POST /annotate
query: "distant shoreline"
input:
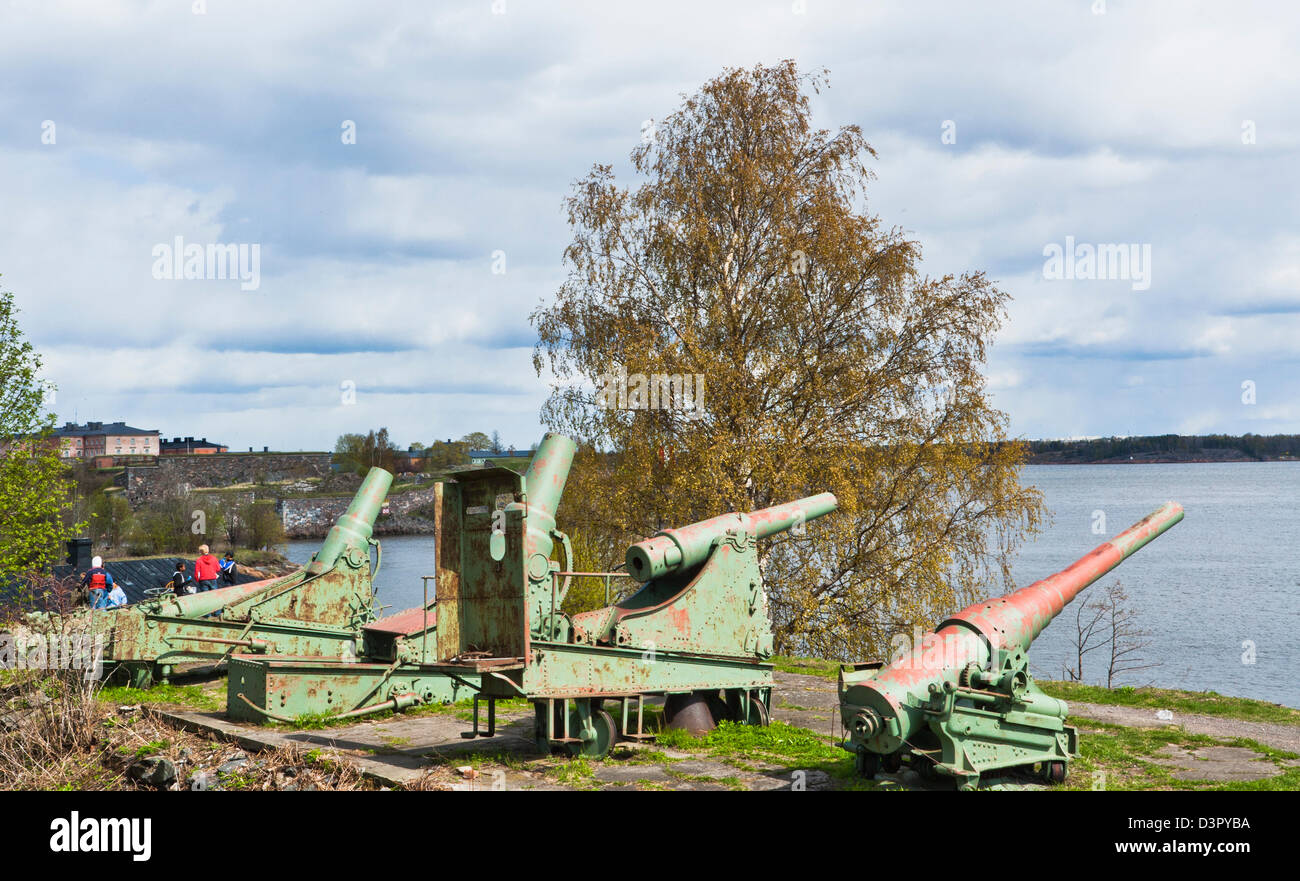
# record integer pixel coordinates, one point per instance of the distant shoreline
(1165, 449)
(1150, 460)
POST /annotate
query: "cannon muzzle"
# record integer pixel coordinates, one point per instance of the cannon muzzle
(689, 546)
(353, 530)
(547, 473)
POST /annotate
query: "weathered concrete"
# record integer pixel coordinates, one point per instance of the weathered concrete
(1221, 764)
(394, 751)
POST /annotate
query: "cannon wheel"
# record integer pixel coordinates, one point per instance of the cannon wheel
(1054, 772)
(893, 763)
(606, 732)
(606, 737)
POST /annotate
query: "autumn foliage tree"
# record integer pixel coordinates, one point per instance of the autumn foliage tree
(36, 488)
(823, 359)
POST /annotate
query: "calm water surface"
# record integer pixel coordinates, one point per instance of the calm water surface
(1228, 575)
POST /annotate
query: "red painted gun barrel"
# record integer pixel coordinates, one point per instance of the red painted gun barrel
(1015, 620)
(888, 699)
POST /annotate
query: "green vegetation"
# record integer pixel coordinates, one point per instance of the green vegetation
(309, 722)
(1207, 703)
(1127, 759)
(807, 666)
(192, 696)
(153, 747)
(779, 747)
(37, 506)
(577, 773)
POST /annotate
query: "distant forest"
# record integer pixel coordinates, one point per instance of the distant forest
(1166, 448)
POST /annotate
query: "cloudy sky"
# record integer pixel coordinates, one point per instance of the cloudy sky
(1002, 128)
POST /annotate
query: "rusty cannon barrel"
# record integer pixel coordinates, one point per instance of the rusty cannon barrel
(543, 486)
(350, 536)
(689, 546)
(962, 702)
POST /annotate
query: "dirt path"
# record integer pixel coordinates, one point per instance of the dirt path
(1278, 736)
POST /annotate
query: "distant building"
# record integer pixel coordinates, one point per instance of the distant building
(481, 457)
(410, 460)
(95, 439)
(188, 446)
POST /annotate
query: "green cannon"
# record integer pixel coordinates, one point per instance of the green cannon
(962, 703)
(493, 590)
(318, 610)
(697, 632)
(703, 595)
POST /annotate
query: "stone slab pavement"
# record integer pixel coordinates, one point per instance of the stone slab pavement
(428, 749)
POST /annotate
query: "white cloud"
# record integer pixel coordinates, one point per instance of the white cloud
(377, 256)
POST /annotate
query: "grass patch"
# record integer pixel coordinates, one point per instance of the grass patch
(193, 696)
(750, 747)
(309, 722)
(151, 748)
(576, 772)
(1207, 703)
(807, 666)
(1127, 758)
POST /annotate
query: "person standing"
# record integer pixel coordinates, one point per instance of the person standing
(228, 568)
(206, 568)
(180, 583)
(98, 582)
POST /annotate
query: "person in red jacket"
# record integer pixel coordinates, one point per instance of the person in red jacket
(206, 568)
(98, 582)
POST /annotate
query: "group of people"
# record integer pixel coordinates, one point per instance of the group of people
(209, 573)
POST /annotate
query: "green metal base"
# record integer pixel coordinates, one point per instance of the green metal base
(566, 670)
(983, 724)
(288, 688)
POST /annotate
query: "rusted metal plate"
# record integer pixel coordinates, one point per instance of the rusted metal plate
(406, 623)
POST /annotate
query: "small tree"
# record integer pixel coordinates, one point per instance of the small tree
(1126, 639)
(1087, 634)
(442, 455)
(361, 452)
(36, 491)
(263, 527)
(1108, 622)
(232, 525)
